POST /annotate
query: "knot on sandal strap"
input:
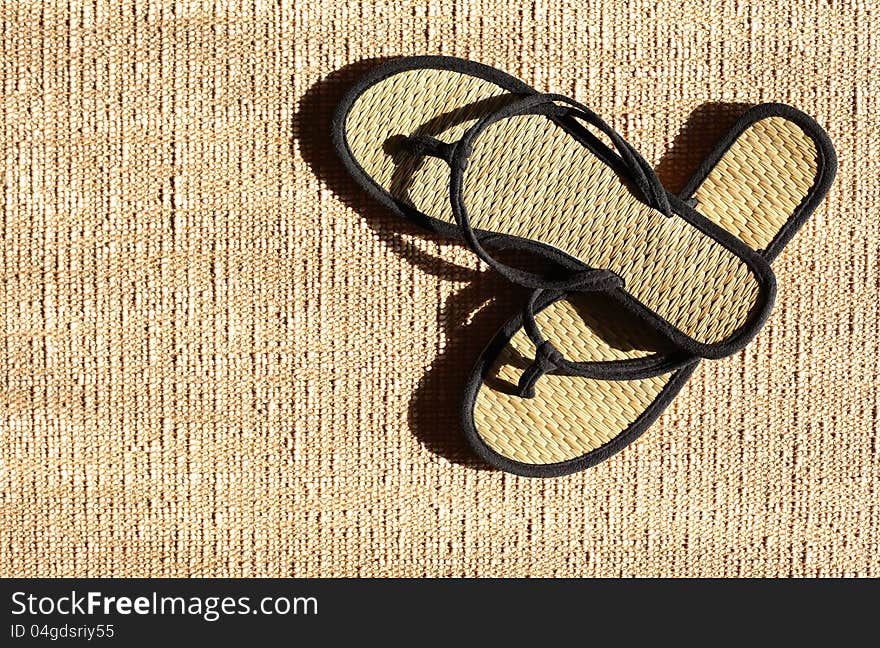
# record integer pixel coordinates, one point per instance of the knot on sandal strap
(423, 145)
(547, 358)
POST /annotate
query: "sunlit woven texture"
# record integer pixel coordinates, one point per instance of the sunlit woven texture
(218, 358)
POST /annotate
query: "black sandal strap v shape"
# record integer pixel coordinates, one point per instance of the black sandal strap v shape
(549, 359)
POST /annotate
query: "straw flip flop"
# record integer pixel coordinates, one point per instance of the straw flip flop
(469, 151)
(761, 183)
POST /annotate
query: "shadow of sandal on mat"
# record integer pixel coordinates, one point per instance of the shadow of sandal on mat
(474, 314)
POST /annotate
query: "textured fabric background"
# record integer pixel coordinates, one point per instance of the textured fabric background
(219, 358)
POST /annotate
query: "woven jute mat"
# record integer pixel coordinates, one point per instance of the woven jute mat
(220, 358)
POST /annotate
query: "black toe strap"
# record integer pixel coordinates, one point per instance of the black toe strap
(427, 145)
(547, 358)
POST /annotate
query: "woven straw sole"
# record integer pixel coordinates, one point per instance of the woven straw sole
(528, 177)
(753, 192)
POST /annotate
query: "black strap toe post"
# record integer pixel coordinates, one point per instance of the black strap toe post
(546, 290)
(426, 145)
(548, 359)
